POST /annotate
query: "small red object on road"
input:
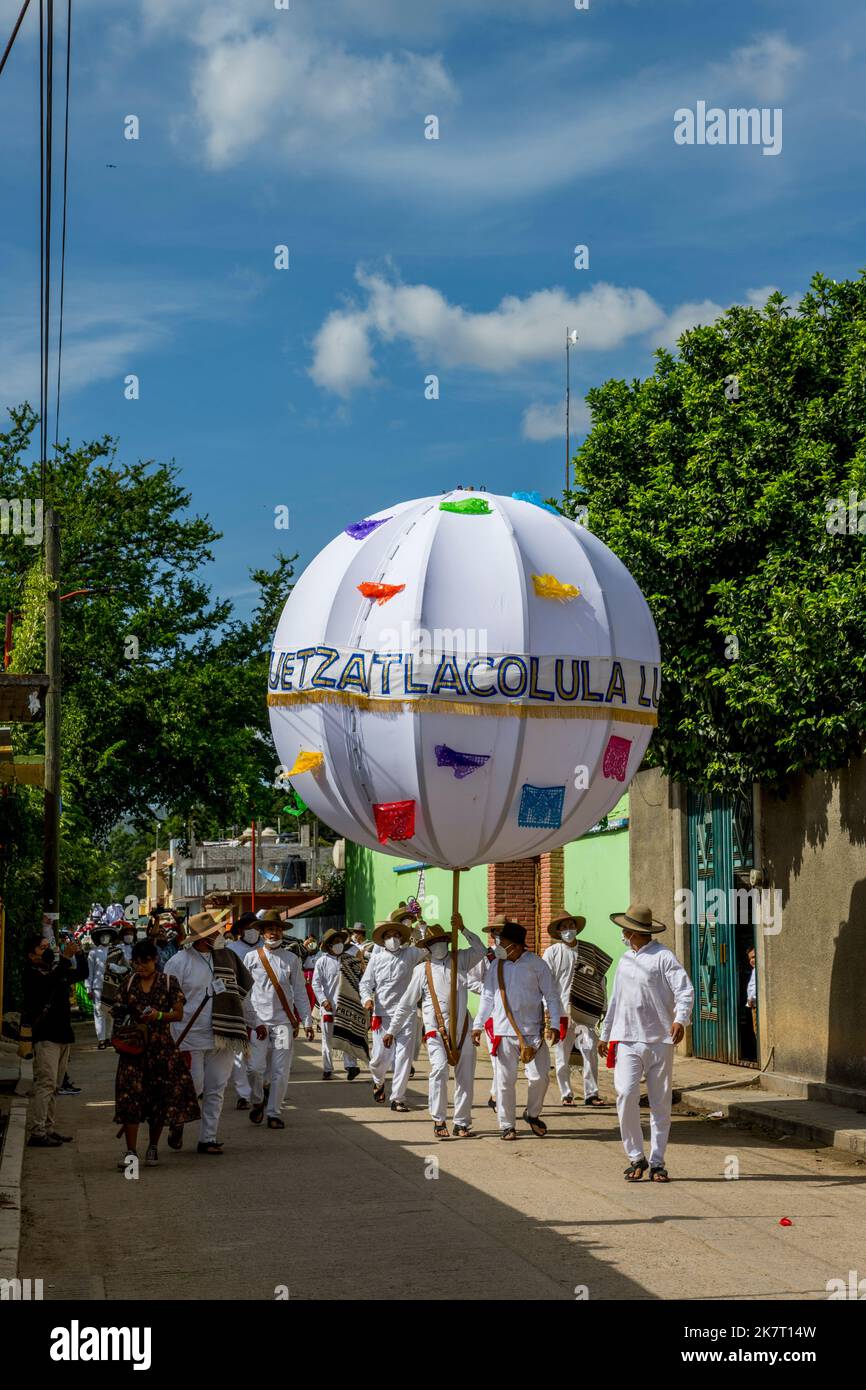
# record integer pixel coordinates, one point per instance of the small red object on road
(786, 1221)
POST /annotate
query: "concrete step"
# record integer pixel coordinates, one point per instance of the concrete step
(818, 1122)
(827, 1091)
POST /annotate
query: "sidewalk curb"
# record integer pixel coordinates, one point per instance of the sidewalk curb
(763, 1113)
(10, 1190)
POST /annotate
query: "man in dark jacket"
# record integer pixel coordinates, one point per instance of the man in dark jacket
(48, 980)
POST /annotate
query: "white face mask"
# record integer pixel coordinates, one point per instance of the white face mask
(568, 934)
(393, 944)
(337, 948)
(500, 952)
(251, 936)
(439, 950)
(273, 945)
(626, 939)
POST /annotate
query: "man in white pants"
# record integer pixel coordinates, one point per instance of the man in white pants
(431, 984)
(561, 956)
(245, 935)
(650, 1008)
(326, 987)
(382, 986)
(518, 1024)
(278, 1004)
(213, 1027)
(103, 939)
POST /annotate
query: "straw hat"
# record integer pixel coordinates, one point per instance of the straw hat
(334, 934)
(564, 919)
(271, 915)
(638, 918)
(502, 919)
(390, 926)
(433, 933)
(202, 925)
(401, 914)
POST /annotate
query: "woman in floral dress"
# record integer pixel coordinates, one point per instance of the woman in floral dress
(154, 1086)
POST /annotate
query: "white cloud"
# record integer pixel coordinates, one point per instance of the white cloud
(110, 325)
(516, 334)
(686, 316)
(761, 69)
(546, 420)
(305, 98)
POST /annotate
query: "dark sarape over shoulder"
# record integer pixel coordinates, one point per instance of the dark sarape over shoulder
(229, 1024)
(588, 998)
(350, 1017)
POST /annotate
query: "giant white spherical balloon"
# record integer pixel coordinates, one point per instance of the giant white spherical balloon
(488, 692)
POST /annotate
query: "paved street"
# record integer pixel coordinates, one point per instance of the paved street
(338, 1206)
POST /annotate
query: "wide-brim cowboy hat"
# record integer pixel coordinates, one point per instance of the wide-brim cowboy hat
(434, 932)
(390, 926)
(502, 919)
(638, 918)
(334, 934)
(563, 919)
(203, 924)
(512, 931)
(401, 914)
(271, 915)
(98, 930)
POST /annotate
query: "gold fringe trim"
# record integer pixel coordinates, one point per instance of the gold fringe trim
(423, 705)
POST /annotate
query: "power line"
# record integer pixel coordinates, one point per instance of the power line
(18, 22)
(48, 140)
(63, 237)
(41, 235)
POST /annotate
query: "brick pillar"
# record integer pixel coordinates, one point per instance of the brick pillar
(550, 897)
(511, 889)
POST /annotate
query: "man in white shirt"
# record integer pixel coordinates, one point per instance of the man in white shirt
(649, 1010)
(245, 936)
(561, 956)
(358, 945)
(430, 983)
(326, 988)
(277, 1006)
(103, 939)
(518, 1024)
(383, 985)
(211, 1044)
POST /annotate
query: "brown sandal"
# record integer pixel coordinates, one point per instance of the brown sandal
(659, 1174)
(508, 1134)
(635, 1171)
(257, 1114)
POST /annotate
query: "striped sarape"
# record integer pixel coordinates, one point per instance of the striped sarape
(588, 997)
(351, 1021)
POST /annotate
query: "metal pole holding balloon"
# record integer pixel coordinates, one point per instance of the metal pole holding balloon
(455, 908)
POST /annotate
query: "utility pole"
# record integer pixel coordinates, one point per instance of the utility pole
(570, 340)
(51, 852)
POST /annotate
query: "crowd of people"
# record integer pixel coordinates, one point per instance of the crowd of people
(190, 1006)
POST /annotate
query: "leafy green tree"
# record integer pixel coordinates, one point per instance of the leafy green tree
(719, 481)
(163, 708)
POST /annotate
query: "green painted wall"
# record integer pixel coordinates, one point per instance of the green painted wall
(596, 884)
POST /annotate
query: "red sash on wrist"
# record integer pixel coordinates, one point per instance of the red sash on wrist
(375, 1023)
(611, 1055)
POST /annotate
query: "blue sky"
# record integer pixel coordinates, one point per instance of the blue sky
(408, 256)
